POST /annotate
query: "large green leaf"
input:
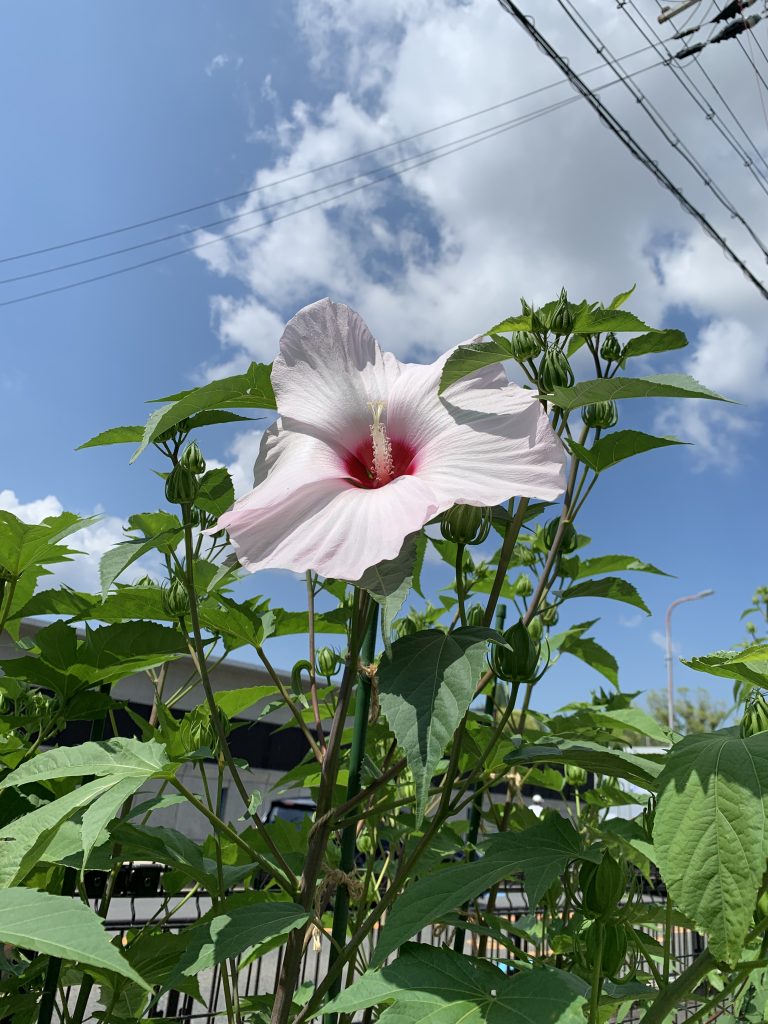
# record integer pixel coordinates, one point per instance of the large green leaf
(390, 582)
(119, 756)
(232, 932)
(24, 545)
(62, 927)
(114, 435)
(541, 852)
(656, 341)
(619, 445)
(443, 987)
(710, 833)
(249, 390)
(747, 665)
(596, 321)
(115, 561)
(611, 587)
(62, 601)
(639, 770)
(467, 359)
(602, 389)
(238, 624)
(425, 688)
(615, 563)
(93, 828)
(234, 702)
(589, 651)
(216, 493)
(115, 651)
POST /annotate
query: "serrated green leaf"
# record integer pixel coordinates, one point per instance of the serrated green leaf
(390, 582)
(103, 810)
(24, 545)
(639, 770)
(216, 492)
(119, 756)
(61, 601)
(234, 702)
(62, 927)
(710, 832)
(591, 653)
(115, 561)
(443, 987)
(656, 341)
(595, 321)
(115, 435)
(467, 359)
(112, 652)
(747, 664)
(603, 389)
(425, 688)
(617, 446)
(512, 323)
(615, 563)
(618, 300)
(612, 587)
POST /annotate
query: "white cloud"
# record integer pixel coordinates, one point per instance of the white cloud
(659, 639)
(439, 255)
(243, 452)
(221, 60)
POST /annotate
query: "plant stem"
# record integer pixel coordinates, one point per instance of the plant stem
(668, 999)
(597, 976)
(460, 583)
(511, 533)
(668, 928)
(291, 705)
(189, 580)
(349, 835)
(8, 602)
(312, 672)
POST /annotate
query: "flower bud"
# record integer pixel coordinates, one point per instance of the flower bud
(516, 663)
(549, 615)
(601, 414)
(611, 348)
(466, 524)
(555, 370)
(193, 459)
(602, 886)
(575, 775)
(176, 599)
(536, 628)
(523, 586)
(182, 427)
(561, 318)
(569, 539)
(755, 718)
(475, 615)
(197, 729)
(524, 345)
(523, 555)
(181, 486)
(609, 942)
(327, 662)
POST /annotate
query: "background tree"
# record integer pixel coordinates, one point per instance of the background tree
(693, 714)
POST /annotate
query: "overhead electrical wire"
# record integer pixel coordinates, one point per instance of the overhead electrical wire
(628, 140)
(661, 123)
(457, 146)
(418, 160)
(302, 174)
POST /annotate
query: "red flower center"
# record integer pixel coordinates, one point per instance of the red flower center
(360, 463)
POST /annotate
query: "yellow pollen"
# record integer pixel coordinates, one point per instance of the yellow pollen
(383, 467)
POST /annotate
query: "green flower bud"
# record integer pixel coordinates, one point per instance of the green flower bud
(555, 370)
(197, 729)
(569, 567)
(561, 318)
(518, 662)
(575, 775)
(755, 718)
(182, 427)
(466, 524)
(176, 599)
(549, 615)
(601, 414)
(536, 629)
(524, 345)
(181, 486)
(611, 348)
(327, 662)
(365, 842)
(523, 586)
(602, 886)
(193, 459)
(475, 615)
(609, 942)
(569, 539)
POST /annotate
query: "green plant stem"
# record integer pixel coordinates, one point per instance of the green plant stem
(312, 671)
(668, 929)
(349, 834)
(189, 580)
(10, 591)
(291, 705)
(511, 533)
(597, 977)
(460, 583)
(667, 1001)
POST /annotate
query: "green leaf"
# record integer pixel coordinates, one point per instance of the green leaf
(238, 624)
(443, 987)
(595, 321)
(619, 445)
(656, 341)
(425, 689)
(234, 702)
(103, 810)
(249, 390)
(287, 623)
(119, 756)
(512, 323)
(115, 435)
(541, 852)
(639, 770)
(216, 492)
(62, 601)
(232, 932)
(62, 927)
(467, 359)
(115, 561)
(618, 300)
(113, 652)
(590, 652)
(710, 833)
(615, 563)
(602, 389)
(23, 545)
(611, 587)
(747, 665)
(390, 582)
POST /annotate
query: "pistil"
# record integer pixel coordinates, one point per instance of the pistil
(383, 466)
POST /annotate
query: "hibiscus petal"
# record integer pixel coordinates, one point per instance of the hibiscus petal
(329, 526)
(329, 368)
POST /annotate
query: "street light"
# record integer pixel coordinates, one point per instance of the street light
(668, 659)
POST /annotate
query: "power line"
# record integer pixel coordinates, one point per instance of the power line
(663, 126)
(425, 157)
(628, 140)
(301, 174)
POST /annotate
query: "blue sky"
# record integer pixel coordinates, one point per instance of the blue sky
(126, 112)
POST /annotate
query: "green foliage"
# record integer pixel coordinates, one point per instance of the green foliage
(620, 445)
(692, 715)
(661, 385)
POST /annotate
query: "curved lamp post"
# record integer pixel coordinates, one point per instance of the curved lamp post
(668, 659)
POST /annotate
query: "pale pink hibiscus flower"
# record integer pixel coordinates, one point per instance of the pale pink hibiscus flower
(365, 451)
